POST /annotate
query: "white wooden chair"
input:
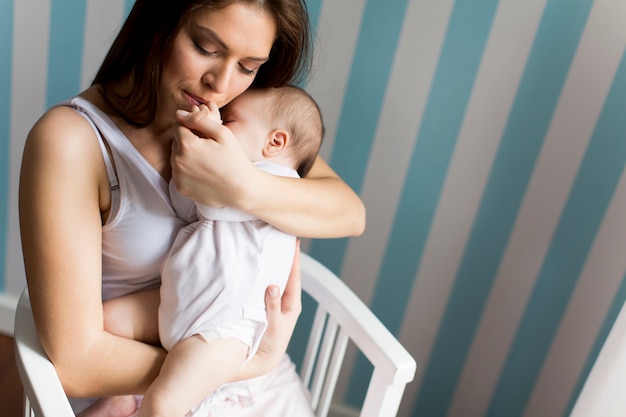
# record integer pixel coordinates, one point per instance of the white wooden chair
(341, 316)
(603, 391)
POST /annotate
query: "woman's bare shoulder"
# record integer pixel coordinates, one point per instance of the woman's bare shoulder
(62, 120)
(62, 149)
(61, 131)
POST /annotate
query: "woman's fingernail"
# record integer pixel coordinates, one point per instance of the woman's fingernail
(182, 113)
(274, 292)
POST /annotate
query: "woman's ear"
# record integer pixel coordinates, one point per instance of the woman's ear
(276, 143)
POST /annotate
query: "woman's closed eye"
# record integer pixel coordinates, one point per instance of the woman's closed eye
(209, 53)
(247, 71)
(203, 51)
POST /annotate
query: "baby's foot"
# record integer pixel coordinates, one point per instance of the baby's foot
(120, 406)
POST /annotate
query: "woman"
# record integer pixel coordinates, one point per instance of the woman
(95, 219)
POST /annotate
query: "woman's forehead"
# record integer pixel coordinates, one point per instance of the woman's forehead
(247, 28)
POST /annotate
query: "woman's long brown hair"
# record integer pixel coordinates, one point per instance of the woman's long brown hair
(135, 59)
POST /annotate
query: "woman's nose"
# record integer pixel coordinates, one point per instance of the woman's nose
(219, 77)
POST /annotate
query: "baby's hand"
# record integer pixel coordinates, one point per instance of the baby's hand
(210, 110)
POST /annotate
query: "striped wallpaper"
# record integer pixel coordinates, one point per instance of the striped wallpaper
(488, 141)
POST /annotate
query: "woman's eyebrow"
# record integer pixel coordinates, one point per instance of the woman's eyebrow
(215, 37)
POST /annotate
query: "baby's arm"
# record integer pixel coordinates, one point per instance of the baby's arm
(134, 316)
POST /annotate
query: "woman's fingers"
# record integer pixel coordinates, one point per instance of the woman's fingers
(208, 163)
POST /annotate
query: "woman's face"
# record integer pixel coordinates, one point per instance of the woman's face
(215, 56)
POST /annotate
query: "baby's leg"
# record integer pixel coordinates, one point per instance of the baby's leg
(134, 316)
(193, 370)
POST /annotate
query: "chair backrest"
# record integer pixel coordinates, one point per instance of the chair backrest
(603, 391)
(341, 316)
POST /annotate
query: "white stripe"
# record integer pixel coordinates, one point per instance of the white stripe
(336, 39)
(28, 97)
(102, 21)
(411, 76)
(571, 128)
(601, 277)
(606, 264)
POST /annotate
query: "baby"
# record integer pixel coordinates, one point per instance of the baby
(212, 311)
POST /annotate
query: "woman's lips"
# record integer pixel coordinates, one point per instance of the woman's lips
(193, 100)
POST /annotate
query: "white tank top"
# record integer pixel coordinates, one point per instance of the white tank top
(142, 223)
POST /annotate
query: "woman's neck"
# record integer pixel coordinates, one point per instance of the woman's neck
(153, 141)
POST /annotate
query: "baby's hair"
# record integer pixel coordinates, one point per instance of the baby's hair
(295, 110)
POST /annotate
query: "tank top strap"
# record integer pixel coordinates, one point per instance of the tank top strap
(122, 149)
(108, 162)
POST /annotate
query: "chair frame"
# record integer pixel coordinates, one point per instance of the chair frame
(340, 316)
(43, 392)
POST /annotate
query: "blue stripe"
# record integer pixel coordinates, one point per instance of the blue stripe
(300, 337)
(373, 60)
(614, 310)
(462, 51)
(314, 7)
(128, 4)
(6, 56)
(590, 197)
(67, 33)
(533, 108)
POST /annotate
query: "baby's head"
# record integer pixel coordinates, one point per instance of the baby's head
(283, 125)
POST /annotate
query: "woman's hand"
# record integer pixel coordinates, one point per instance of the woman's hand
(208, 163)
(282, 315)
(217, 172)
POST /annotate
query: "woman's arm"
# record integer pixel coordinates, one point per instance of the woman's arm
(63, 188)
(319, 205)
(133, 316)
(218, 173)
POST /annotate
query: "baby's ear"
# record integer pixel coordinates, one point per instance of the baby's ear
(276, 143)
